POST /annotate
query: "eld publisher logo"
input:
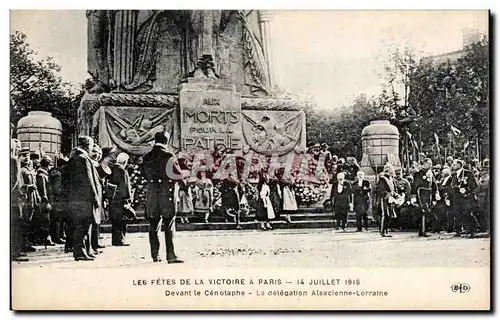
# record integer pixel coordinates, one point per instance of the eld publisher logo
(460, 287)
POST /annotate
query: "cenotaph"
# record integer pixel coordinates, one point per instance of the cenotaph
(204, 76)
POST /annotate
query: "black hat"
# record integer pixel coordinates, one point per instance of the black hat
(24, 150)
(324, 144)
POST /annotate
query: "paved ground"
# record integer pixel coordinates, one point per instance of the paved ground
(282, 248)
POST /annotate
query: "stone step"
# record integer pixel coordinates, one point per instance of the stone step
(143, 226)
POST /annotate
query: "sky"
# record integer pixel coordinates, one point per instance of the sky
(331, 56)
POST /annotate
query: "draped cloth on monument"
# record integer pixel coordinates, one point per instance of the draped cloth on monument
(133, 129)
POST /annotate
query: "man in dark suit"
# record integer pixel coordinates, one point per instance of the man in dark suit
(120, 178)
(84, 200)
(463, 184)
(43, 213)
(361, 189)
(342, 199)
(162, 171)
(16, 203)
(385, 193)
(426, 190)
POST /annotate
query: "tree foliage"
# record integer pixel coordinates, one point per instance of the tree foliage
(35, 85)
(453, 93)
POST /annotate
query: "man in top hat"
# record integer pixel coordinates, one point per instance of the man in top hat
(85, 198)
(162, 171)
(426, 189)
(464, 185)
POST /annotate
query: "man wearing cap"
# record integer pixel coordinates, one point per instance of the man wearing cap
(463, 184)
(84, 199)
(385, 193)
(41, 219)
(162, 171)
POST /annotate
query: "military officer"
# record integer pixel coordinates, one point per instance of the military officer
(426, 190)
(385, 193)
(403, 189)
(162, 171)
(463, 184)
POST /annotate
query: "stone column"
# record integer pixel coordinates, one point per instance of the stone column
(124, 44)
(265, 17)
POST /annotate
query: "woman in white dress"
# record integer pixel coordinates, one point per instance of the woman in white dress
(265, 212)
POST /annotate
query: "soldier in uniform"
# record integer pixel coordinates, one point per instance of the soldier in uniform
(162, 171)
(463, 184)
(442, 208)
(403, 189)
(483, 195)
(385, 193)
(425, 188)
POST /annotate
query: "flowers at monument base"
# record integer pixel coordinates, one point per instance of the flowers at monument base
(137, 185)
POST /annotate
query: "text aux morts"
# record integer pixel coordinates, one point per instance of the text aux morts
(210, 128)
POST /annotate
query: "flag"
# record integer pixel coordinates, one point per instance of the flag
(455, 130)
(466, 144)
(437, 141)
(415, 144)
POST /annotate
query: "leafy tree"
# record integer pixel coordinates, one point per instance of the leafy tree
(35, 84)
(453, 93)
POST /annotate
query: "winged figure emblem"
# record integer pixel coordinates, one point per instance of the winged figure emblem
(268, 136)
(141, 130)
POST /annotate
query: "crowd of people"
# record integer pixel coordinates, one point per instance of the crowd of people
(453, 197)
(65, 202)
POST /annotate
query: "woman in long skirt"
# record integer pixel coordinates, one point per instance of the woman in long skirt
(185, 199)
(289, 200)
(265, 212)
(204, 195)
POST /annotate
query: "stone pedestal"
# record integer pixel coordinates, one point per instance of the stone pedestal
(210, 115)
